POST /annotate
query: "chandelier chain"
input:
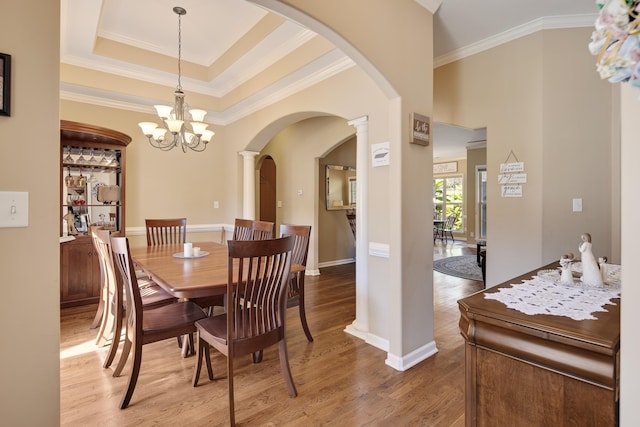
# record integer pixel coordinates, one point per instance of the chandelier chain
(179, 52)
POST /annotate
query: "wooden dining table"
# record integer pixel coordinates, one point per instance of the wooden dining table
(188, 278)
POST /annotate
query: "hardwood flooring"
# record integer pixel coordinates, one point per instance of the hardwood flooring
(340, 380)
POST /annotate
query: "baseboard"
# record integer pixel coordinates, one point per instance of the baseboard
(405, 362)
(370, 339)
(336, 262)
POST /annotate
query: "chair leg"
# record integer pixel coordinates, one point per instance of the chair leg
(284, 367)
(303, 314)
(99, 313)
(232, 417)
(203, 351)
(126, 349)
(106, 325)
(133, 379)
(196, 371)
(115, 340)
(257, 356)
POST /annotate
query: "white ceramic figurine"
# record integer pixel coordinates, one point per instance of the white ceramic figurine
(590, 272)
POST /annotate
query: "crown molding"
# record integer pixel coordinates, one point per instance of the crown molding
(543, 23)
(431, 5)
(323, 68)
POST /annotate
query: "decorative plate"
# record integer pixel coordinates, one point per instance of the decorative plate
(181, 255)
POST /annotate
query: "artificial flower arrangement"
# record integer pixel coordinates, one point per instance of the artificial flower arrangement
(616, 41)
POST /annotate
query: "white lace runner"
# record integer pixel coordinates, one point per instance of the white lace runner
(540, 296)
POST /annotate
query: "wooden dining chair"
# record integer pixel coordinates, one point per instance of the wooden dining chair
(166, 231)
(302, 234)
(256, 309)
(243, 229)
(108, 316)
(263, 230)
(146, 326)
(111, 327)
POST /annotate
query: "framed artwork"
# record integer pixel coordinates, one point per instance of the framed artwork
(420, 129)
(5, 84)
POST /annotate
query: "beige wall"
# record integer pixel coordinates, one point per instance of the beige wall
(29, 264)
(545, 104)
(335, 240)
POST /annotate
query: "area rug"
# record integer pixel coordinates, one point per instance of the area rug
(464, 266)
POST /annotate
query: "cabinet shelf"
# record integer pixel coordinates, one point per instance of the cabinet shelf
(87, 167)
(98, 205)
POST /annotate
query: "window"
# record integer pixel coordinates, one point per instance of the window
(448, 197)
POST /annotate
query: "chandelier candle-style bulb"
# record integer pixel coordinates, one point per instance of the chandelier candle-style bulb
(173, 116)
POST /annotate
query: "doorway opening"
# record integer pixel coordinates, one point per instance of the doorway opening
(268, 190)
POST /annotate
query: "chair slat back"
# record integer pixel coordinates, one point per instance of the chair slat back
(256, 291)
(302, 234)
(166, 231)
(451, 220)
(102, 245)
(243, 229)
(133, 307)
(263, 230)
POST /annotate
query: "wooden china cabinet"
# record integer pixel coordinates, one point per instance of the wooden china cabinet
(92, 192)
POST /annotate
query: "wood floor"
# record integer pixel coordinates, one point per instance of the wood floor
(340, 379)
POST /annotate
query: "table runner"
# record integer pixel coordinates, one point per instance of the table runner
(543, 295)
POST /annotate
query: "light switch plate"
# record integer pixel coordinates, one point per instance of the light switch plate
(14, 209)
(577, 205)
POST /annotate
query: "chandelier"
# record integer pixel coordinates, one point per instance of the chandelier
(173, 116)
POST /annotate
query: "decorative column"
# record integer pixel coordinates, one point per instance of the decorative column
(360, 325)
(249, 184)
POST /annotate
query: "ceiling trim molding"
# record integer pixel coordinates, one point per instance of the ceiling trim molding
(254, 62)
(431, 5)
(543, 23)
(335, 63)
(325, 67)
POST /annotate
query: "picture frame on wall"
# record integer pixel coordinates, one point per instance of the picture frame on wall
(420, 129)
(5, 84)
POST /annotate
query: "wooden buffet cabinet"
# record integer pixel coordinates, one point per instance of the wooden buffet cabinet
(538, 369)
(90, 157)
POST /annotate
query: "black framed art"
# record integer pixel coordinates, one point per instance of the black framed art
(5, 84)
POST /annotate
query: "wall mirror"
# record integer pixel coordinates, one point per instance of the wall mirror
(341, 187)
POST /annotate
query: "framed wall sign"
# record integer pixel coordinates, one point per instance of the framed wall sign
(5, 84)
(420, 129)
